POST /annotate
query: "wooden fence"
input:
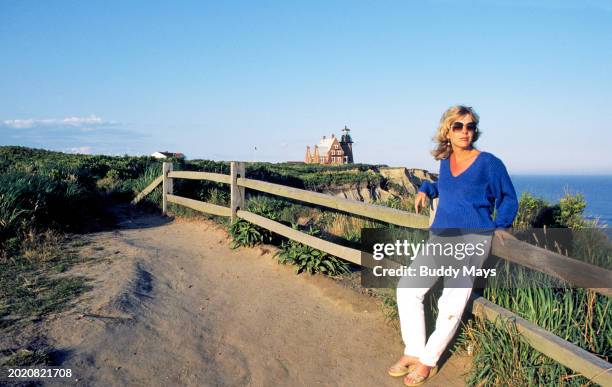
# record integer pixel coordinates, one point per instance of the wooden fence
(577, 273)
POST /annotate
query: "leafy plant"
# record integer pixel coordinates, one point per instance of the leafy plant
(246, 234)
(266, 206)
(309, 259)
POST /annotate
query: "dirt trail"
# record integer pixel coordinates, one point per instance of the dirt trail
(174, 305)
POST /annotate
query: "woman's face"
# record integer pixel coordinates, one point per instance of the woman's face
(461, 132)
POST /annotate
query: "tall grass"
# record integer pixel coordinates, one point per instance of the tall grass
(349, 226)
(579, 316)
(37, 202)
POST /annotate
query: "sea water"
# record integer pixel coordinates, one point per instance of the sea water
(597, 191)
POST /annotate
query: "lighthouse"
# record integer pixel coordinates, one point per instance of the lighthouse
(346, 143)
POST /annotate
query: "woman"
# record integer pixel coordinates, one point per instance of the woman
(471, 184)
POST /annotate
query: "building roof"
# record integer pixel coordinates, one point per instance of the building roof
(325, 145)
(168, 154)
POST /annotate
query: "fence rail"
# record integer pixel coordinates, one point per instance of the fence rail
(216, 177)
(346, 253)
(148, 189)
(372, 211)
(577, 273)
(571, 270)
(564, 352)
(197, 205)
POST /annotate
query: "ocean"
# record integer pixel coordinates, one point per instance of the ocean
(597, 191)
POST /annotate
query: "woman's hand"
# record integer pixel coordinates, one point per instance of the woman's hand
(502, 235)
(420, 201)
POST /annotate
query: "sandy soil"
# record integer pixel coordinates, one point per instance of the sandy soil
(172, 304)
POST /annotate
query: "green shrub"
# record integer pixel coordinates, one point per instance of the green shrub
(530, 207)
(247, 234)
(537, 212)
(570, 210)
(309, 259)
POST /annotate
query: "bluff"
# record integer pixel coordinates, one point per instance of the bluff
(395, 182)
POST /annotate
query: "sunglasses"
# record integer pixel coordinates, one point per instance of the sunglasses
(458, 126)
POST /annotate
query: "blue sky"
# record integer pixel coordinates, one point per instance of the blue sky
(215, 79)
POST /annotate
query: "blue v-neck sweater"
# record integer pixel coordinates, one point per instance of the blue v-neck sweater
(467, 200)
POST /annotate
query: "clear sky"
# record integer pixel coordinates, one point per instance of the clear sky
(216, 79)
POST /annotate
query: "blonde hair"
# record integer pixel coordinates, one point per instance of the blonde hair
(443, 147)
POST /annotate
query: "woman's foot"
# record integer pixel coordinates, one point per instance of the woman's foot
(403, 366)
(419, 374)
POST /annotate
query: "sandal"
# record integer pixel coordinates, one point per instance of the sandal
(420, 379)
(398, 370)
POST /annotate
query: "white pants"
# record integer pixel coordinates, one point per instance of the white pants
(450, 309)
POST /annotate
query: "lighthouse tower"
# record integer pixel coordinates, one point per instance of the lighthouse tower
(346, 142)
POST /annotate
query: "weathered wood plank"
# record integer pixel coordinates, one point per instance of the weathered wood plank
(343, 252)
(373, 211)
(578, 273)
(200, 206)
(166, 186)
(216, 177)
(237, 198)
(148, 189)
(564, 352)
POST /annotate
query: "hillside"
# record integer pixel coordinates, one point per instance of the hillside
(120, 174)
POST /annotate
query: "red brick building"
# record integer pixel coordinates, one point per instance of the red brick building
(331, 150)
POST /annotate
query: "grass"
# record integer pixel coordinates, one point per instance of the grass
(579, 316)
(24, 357)
(388, 306)
(31, 286)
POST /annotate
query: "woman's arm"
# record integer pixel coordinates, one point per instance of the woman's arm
(506, 203)
(429, 189)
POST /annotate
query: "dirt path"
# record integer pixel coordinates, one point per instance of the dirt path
(174, 305)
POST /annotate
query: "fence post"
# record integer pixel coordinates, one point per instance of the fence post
(167, 186)
(236, 193)
(432, 210)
